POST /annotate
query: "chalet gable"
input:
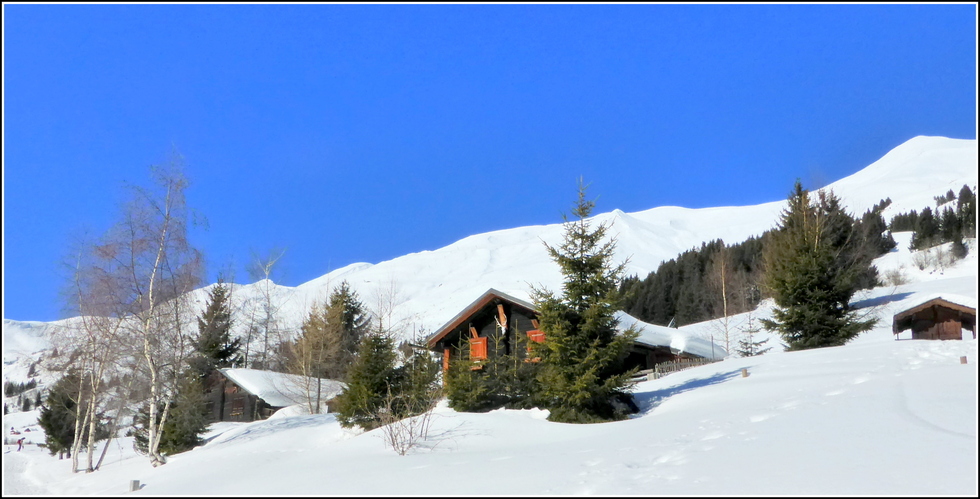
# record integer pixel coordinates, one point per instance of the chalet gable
(491, 302)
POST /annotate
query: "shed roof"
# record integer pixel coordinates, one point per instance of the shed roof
(279, 389)
(964, 305)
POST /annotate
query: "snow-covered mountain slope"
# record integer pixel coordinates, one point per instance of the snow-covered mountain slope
(430, 287)
(874, 417)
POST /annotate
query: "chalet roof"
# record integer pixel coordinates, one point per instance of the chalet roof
(962, 304)
(487, 297)
(279, 389)
(678, 340)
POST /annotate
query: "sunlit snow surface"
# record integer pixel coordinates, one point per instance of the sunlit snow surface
(876, 416)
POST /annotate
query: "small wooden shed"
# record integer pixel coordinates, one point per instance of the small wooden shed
(251, 394)
(937, 319)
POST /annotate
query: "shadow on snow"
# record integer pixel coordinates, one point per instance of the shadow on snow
(648, 401)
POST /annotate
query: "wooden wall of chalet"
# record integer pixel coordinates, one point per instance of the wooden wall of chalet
(645, 357)
(226, 401)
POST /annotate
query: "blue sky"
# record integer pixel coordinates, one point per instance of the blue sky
(350, 133)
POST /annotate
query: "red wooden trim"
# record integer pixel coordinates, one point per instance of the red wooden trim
(445, 360)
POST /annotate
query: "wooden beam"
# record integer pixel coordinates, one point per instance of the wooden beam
(501, 315)
(473, 331)
(534, 322)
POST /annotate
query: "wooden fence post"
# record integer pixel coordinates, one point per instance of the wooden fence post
(963, 359)
(745, 373)
(134, 485)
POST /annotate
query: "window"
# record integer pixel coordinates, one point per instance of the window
(237, 407)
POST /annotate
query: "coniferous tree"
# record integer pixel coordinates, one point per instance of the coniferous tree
(214, 343)
(876, 237)
(926, 230)
(57, 417)
(966, 209)
(582, 354)
(904, 222)
(500, 381)
(949, 226)
(186, 421)
(811, 277)
(748, 346)
(417, 388)
(856, 247)
(329, 339)
(347, 321)
(369, 380)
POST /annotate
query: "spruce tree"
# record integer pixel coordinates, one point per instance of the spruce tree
(747, 346)
(949, 226)
(811, 277)
(57, 417)
(347, 321)
(214, 344)
(582, 355)
(502, 381)
(926, 230)
(966, 209)
(369, 380)
(186, 421)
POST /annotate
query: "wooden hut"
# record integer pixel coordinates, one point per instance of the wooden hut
(251, 394)
(937, 319)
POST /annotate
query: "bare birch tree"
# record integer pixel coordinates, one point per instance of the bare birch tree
(265, 311)
(721, 276)
(159, 268)
(129, 291)
(92, 339)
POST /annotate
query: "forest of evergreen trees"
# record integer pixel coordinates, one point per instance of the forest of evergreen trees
(687, 289)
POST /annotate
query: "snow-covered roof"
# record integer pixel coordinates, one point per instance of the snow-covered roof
(279, 389)
(677, 340)
(923, 298)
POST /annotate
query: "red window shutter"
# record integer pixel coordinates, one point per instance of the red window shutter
(537, 337)
(478, 348)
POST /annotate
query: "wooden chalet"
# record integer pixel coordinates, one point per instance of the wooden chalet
(494, 319)
(936, 319)
(491, 323)
(250, 394)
